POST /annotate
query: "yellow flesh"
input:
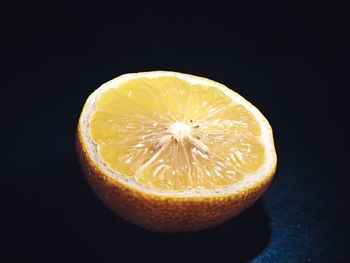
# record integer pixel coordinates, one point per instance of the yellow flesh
(215, 142)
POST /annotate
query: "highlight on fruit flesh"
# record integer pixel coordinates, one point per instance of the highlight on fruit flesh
(171, 135)
(174, 152)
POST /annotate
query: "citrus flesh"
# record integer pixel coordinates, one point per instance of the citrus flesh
(171, 135)
(178, 139)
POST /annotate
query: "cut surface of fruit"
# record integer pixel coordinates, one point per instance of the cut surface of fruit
(170, 134)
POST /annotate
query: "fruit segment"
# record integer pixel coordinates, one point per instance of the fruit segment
(172, 135)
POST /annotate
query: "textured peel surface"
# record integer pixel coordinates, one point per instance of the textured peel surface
(169, 134)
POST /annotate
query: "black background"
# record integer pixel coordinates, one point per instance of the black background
(287, 59)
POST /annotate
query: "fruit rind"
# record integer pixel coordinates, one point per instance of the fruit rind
(166, 212)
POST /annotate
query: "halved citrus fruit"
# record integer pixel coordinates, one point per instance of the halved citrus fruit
(174, 152)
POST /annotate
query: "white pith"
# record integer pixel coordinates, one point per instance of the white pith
(180, 130)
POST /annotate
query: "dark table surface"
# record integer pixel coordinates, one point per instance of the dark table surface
(288, 60)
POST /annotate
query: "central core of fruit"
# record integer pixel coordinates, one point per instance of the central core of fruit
(180, 130)
(169, 134)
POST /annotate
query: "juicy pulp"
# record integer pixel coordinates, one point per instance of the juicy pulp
(170, 134)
